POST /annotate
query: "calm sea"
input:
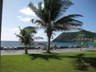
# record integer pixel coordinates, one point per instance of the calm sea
(18, 44)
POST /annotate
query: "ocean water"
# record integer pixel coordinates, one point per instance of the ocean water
(18, 44)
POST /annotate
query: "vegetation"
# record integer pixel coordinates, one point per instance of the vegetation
(26, 37)
(53, 62)
(51, 17)
(95, 45)
(74, 36)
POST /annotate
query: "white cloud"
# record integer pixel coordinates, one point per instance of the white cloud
(14, 29)
(41, 33)
(9, 37)
(9, 29)
(24, 19)
(27, 11)
(8, 34)
(42, 5)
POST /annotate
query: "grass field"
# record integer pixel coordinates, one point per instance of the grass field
(53, 62)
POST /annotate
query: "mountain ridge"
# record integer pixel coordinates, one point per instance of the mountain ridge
(71, 36)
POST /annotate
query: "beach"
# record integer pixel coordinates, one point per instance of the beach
(61, 47)
(38, 51)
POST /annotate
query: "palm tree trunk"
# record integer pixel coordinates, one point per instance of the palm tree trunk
(26, 49)
(81, 49)
(48, 46)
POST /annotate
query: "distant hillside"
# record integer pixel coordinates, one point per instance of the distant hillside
(71, 36)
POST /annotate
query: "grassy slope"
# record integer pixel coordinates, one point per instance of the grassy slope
(60, 62)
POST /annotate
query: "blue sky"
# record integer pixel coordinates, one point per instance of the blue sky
(17, 13)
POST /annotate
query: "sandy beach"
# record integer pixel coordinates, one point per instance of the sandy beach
(36, 51)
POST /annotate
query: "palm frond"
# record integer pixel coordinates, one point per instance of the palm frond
(56, 7)
(71, 21)
(19, 35)
(39, 23)
(19, 28)
(40, 5)
(30, 29)
(60, 28)
(52, 35)
(52, 9)
(25, 35)
(22, 32)
(21, 38)
(38, 11)
(31, 39)
(68, 18)
(67, 22)
(73, 15)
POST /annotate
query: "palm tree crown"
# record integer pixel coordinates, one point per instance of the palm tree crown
(51, 17)
(25, 36)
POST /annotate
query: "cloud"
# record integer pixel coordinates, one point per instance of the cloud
(14, 29)
(8, 34)
(40, 33)
(9, 37)
(27, 11)
(9, 29)
(42, 5)
(24, 19)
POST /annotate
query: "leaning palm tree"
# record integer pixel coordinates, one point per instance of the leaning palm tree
(51, 17)
(26, 36)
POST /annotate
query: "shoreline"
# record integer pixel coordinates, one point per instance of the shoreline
(39, 51)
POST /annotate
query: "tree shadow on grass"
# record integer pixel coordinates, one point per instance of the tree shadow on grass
(79, 61)
(45, 56)
(82, 63)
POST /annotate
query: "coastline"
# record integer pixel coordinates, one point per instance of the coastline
(39, 51)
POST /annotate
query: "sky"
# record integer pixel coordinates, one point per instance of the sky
(17, 13)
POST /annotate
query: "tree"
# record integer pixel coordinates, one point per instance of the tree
(51, 17)
(26, 36)
(84, 37)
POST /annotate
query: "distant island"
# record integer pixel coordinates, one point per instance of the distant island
(72, 36)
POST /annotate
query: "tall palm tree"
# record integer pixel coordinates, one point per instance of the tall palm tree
(51, 17)
(26, 36)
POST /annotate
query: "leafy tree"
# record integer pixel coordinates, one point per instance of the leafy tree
(26, 36)
(51, 17)
(84, 37)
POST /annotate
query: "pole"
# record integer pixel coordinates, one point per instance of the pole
(1, 8)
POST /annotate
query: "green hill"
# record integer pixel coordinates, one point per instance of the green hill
(72, 36)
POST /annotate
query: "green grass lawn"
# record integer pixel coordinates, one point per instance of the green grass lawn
(54, 62)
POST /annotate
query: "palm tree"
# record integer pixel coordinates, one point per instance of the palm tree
(51, 17)
(26, 36)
